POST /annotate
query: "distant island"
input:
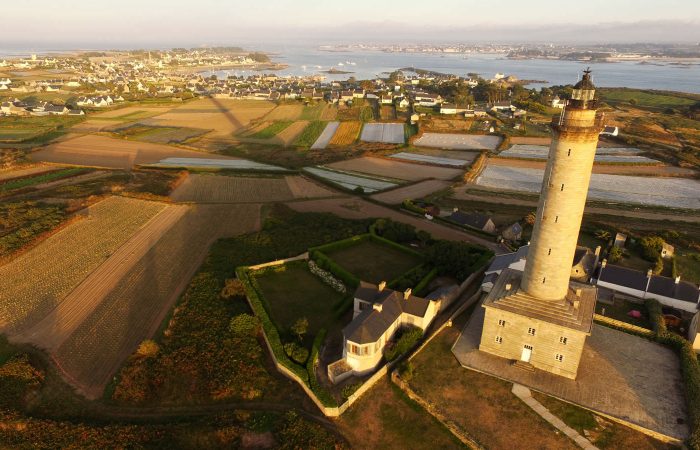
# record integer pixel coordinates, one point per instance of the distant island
(335, 71)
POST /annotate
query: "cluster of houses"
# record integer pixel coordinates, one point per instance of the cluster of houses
(16, 107)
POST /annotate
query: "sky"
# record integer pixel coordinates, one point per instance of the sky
(100, 23)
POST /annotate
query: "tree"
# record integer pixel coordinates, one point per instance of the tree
(423, 236)
(651, 247)
(244, 324)
(615, 254)
(300, 327)
(233, 288)
(603, 235)
(367, 85)
(148, 349)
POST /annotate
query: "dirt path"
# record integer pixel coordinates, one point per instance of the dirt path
(461, 195)
(60, 323)
(355, 208)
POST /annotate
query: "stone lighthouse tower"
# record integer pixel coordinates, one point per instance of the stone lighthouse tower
(539, 318)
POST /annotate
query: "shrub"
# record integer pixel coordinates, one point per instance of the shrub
(409, 337)
(244, 325)
(350, 389)
(148, 349)
(300, 327)
(296, 352)
(395, 231)
(232, 289)
(658, 266)
(17, 378)
(651, 247)
(321, 393)
(406, 370)
(457, 259)
(615, 254)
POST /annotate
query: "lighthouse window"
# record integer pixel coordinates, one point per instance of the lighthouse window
(562, 340)
(562, 187)
(549, 252)
(544, 279)
(531, 331)
(559, 357)
(556, 219)
(569, 153)
(499, 340)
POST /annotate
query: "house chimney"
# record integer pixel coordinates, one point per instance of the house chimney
(382, 285)
(508, 286)
(377, 307)
(455, 209)
(578, 292)
(649, 273)
(603, 263)
(577, 304)
(597, 251)
(678, 279)
(407, 293)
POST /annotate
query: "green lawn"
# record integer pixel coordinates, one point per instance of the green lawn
(688, 266)
(293, 292)
(310, 134)
(644, 98)
(374, 262)
(272, 130)
(620, 309)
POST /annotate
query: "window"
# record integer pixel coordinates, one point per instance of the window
(364, 305)
(501, 323)
(549, 252)
(529, 347)
(354, 349)
(499, 340)
(531, 331)
(366, 350)
(562, 187)
(569, 153)
(556, 219)
(562, 340)
(544, 279)
(376, 347)
(559, 357)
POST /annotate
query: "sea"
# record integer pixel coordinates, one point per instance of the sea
(366, 64)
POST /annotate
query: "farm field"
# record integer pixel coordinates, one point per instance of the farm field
(61, 322)
(231, 189)
(100, 151)
(428, 159)
(16, 130)
(458, 141)
(25, 171)
(652, 170)
(326, 135)
(290, 134)
(396, 169)
(465, 156)
(91, 126)
(373, 262)
(136, 307)
(131, 113)
(159, 135)
(271, 130)
(30, 286)
(39, 179)
(206, 163)
(222, 117)
(603, 154)
(387, 112)
(346, 133)
(350, 180)
(319, 111)
(388, 133)
(285, 113)
(442, 124)
(310, 134)
(413, 191)
(669, 192)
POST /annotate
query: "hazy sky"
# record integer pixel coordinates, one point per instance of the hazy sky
(94, 23)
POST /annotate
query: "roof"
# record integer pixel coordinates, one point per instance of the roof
(622, 276)
(574, 311)
(668, 287)
(371, 323)
(475, 220)
(586, 82)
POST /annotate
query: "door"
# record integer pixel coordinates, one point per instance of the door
(527, 352)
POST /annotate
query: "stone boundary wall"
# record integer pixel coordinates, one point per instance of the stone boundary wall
(279, 262)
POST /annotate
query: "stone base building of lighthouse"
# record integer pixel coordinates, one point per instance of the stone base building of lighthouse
(539, 318)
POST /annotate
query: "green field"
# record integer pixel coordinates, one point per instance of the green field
(40, 178)
(292, 292)
(160, 135)
(374, 262)
(271, 131)
(645, 98)
(34, 129)
(310, 134)
(312, 112)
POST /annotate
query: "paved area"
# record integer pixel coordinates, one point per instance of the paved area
(621, 375)
(525, 395)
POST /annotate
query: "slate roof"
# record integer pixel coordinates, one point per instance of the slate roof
(371, 324)
(475, 220)
(668, 287)
(622, 276)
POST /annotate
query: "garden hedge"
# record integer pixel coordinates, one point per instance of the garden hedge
(321, 393)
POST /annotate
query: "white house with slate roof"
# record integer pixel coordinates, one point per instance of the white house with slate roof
(668, 291)
(378, 313)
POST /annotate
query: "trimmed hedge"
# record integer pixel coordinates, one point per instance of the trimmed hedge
(323, 395)
(423, 285)
(326, 263)
(257, 305)
(409, 338)
(690, 368)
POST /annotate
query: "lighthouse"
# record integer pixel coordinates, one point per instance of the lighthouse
(538, 318)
